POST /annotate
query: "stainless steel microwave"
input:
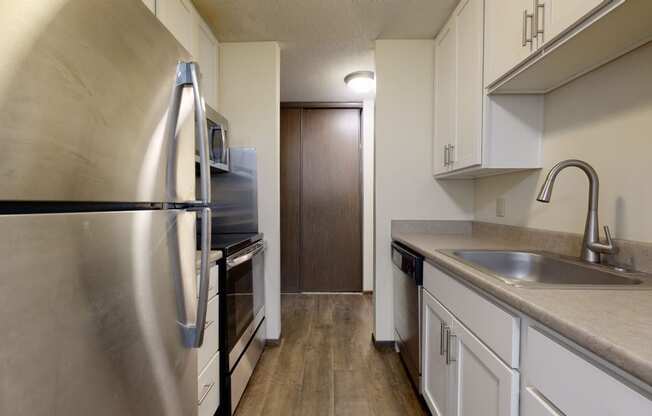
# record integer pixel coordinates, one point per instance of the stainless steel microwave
(218, 140)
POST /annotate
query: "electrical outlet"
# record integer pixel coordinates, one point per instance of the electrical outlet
(500, 207)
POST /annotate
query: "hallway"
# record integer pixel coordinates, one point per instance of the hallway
(326, 364)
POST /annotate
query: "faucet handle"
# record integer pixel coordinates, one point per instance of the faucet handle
(608, 248)
(607, 234)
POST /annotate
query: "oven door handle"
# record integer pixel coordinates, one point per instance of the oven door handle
(238, 259)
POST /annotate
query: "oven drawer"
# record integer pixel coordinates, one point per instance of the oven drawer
(245, 367)
(211, 335)
(208, 388)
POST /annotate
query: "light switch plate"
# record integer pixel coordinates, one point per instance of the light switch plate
(500, 207)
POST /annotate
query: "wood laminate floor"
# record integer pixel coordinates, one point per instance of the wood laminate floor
(326, 364)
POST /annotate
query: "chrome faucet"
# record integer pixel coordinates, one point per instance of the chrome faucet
(592, 248)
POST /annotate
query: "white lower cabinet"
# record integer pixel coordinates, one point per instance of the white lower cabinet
(483, 384)
(436, 372)
(208, 392)
(473, 363)
(208, 363)
(533, 404)
(461, 375)
(573, 385)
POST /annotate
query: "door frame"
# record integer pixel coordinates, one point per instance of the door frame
(358, 105)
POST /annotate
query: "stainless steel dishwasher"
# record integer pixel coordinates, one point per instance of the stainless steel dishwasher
(408, 282)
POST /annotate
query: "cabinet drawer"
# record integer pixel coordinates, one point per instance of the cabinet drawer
(213, 281)
(535, 405)
(497, 328)
(211, 337)
(575, 386)
(208, 388)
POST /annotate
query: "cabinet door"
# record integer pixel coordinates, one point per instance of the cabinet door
(533, 404)
(151, 5)
(483, 384)
(469, 38)
(435, 371)
(207, 58)
(179, 18)
(445, 95)
(506, 27)
(560, 15)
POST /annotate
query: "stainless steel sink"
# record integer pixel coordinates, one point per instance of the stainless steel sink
(537, 269)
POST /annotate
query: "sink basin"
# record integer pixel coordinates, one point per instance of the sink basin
(525, 268)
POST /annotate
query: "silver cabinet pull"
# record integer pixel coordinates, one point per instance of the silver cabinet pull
(442, 331)
(451, 154)
(446, 155)
(207, 389)
(449, 357)
(536, 29)
(526, 16)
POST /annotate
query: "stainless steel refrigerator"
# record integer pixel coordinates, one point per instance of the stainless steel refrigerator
(101, 311)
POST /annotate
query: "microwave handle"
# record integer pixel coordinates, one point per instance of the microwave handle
(188, 76)
(225, 147)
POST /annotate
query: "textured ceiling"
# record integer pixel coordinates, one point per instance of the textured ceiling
(323, 40)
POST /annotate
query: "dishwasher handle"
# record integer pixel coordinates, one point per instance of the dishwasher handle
(409, 262)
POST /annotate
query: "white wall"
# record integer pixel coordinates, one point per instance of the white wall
(368, 109)
(604, 118)
(249, 97)
(404, 187)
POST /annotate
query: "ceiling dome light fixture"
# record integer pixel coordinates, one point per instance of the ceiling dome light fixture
(361, 81)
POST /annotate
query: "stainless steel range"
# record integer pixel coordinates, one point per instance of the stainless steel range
(242, 274)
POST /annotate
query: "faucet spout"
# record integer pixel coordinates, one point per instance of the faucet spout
(591, 245)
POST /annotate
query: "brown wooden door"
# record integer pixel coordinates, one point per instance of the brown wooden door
(321, 200)
(331, 215)
(290, 199)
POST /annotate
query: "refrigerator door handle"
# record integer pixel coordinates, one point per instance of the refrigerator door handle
(194, 333)
(188, 76)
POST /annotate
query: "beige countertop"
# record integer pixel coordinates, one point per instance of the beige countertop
(213, 257)
(614, 324)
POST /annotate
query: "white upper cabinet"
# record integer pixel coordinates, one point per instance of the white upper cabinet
(184, 22)
(555, 16)
(475, 135)
(151, 5)
(536, 46)
(207, 55)
(445, 97)
(178, 16)
(458, 90)
(508, 40)
(468, 144)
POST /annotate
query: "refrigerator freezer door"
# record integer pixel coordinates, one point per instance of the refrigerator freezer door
(85, 88)
(90, 312)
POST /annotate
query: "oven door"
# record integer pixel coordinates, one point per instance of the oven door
(243, 300)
